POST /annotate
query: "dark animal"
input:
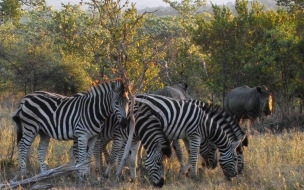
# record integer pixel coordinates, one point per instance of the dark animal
(248, 103)
(178, 91)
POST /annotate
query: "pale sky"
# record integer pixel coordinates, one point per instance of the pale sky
(139, 3)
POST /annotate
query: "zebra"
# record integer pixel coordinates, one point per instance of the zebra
(233, 130)
(183, 120)
(148, 132)
(77, 118)
(111, 131)
(208, 150)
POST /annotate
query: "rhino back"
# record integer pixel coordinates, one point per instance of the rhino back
(240, 100)
(176, 91)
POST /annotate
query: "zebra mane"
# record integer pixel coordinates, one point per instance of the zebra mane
(219, 113)
(231, 119)
(99, 86)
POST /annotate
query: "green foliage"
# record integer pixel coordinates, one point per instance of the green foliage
(291, 3)
(67, 50)
(71, 76)
(237, 44)
(10, 10)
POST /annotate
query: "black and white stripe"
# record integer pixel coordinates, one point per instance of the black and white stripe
(77, 118)
(232, 129)
(184, 120)
(111, 131)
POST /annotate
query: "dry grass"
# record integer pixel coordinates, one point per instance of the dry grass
(272, 161)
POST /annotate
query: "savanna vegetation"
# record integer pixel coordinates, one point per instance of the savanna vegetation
(68, 50)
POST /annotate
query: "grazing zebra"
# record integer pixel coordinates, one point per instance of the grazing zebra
(208, 150)
(77, 118)
(184, 120)
(233, 130)
(178, 91)
(149, 133)
(111, 131)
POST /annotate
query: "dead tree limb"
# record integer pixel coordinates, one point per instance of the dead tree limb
(130, 137)
(45, 175)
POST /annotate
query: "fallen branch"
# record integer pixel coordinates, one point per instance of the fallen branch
(45, 175)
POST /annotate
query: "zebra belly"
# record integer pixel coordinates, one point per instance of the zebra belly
(59, 133)
(173, 133)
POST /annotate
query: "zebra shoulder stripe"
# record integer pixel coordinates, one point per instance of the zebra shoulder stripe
(155, 108)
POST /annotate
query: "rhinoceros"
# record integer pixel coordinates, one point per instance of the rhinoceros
(177, 91)
(248, 103)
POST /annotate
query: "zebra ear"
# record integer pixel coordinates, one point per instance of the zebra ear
(236, 144)
(113, 86)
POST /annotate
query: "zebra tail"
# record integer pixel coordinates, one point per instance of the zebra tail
(17, 120)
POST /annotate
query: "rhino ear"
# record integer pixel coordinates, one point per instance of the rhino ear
(259, 89)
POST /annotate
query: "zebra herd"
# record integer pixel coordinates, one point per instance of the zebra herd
(95, 118)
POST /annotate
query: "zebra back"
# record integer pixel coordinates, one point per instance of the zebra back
(65, 118)
(232, 129)
(181, 118)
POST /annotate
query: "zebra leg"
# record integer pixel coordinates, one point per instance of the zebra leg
(178, 151)
(194, 150)
(100, 148)
(97, 155)
(24, 146)
(91, 144)
(72, 158)
(117, 144)
(89, 153)
(186, 167)
(104, 151)
(132, 159)
(82, 155)
(119, 159)
(42, 148)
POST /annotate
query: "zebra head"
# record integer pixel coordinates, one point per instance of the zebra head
(154, 163)
(209, 153)
(229, 161)
(119, 102)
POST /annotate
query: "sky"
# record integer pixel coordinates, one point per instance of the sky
(140, 4)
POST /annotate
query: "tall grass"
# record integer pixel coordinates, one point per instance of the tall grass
(272, 161)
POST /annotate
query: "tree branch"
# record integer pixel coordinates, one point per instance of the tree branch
(45, 175)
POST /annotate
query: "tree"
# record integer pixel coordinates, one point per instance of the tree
(291, 3)
(10, 10)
